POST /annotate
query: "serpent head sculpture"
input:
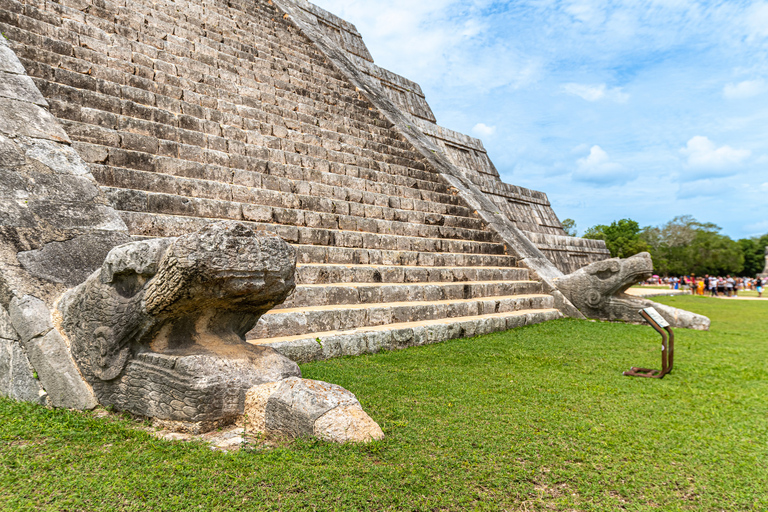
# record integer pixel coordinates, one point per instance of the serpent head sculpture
(598, 291)
(160, 329)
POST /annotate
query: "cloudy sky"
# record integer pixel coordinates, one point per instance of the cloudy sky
(644, 109)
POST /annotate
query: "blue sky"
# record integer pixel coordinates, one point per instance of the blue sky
(644, 109)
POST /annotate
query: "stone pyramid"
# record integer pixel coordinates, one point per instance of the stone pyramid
(273, 113)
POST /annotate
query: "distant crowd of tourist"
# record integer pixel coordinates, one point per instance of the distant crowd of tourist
(713, 286)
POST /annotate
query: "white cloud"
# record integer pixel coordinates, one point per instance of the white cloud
(596, 92)
(703, 154)
(598, 168)
(745, 89)
(585, 12)
(439, 42)
(483, 130)
(757, 20)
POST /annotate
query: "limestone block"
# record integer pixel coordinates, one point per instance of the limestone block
(353, 344)
(255, 411)
(437, 333)
(9, 63)
(27, 119)
(60, 158)
(10, 154)
(301, 351)
(420, 336)
(333, 346)
(347, 424)
(72, 261)
(378, 340)
(17, 377)
(30, 317)
(402, 338)
(7, 332)
(20, 87)
(304, 408)
(49, 355)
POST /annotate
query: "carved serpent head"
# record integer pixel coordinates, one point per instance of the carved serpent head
(201, 291)
(596, 284)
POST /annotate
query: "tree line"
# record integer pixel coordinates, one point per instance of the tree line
(682, 246)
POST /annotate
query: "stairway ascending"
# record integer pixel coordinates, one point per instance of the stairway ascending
(192, 111)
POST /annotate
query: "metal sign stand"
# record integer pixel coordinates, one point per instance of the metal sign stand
(667, 346)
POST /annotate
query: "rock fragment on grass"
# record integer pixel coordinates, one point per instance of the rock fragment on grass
(307, 408)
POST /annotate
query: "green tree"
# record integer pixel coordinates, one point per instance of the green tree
(754, 254)
(622, 238)
(569, 226)
(686, 246)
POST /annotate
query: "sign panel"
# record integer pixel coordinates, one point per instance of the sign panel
(656, 317)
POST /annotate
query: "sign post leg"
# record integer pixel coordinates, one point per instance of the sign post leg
(667, 347)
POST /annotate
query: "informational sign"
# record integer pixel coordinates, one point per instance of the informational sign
(656, 317)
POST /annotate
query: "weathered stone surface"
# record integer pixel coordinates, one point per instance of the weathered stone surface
(255, 410)
(59, 158)
(598, 291)
(296, 404)
(159, 331)
(20, 87)
(9, 63)
(30, 317)
(17, 377)
(7, 332)
(11, 155)
(304, 408)
(27, 119)
(55, 226)
(49, 355)
(72, 261)
(347, 424)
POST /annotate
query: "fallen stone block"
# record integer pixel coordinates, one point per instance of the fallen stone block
(306, 408)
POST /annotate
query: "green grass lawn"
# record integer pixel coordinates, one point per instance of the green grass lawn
(539, 418)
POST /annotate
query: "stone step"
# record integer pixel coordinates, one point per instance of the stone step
(167, 204)
(160, 225)
(297, 321)
(76, 101)
(210, 181)
(207, 181)
(313, 295)
(264, 155)
(319, 254)
(331, 274)
(369, 340)
(353, 147)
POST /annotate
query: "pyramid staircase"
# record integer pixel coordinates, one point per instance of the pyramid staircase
(195, 111)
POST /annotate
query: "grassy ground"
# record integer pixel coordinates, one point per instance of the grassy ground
(539, 418)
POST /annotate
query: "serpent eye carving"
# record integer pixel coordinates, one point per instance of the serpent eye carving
(606, 269)
(593, 298)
